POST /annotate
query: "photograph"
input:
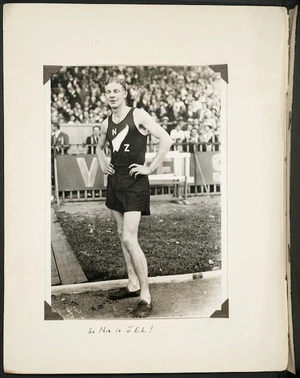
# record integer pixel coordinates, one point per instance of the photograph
(147, 214)
(138, 191)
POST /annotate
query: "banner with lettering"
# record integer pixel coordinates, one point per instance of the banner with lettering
(206, 167)
(79, 173)
(82, 172)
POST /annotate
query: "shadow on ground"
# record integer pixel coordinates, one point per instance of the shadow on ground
(197, 298)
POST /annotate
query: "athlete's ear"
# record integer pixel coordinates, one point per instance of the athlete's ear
(125, 94)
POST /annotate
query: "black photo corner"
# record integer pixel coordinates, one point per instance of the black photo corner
(294, 189)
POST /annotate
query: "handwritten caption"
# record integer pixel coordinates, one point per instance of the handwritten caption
(128, 329)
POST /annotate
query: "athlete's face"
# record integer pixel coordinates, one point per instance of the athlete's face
(115, 95)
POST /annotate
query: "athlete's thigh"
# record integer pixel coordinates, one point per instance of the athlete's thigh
(131, 221)
(119, 218)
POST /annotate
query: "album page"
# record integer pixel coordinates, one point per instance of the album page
(216, 257)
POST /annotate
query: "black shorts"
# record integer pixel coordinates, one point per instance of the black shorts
(125, 193)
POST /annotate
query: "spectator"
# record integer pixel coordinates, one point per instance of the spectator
(59, 145)
(206, 136)
(178, 137)
(151, 139)
(187, 132)
(73, 96)
(189, 112)
(165, 123)
(196, 107)
(59, 140)
(194, 140)
(162, 111)
(92, 141)
(179, 108)
(172, 91)
(154, 116)
(72, 120)
(209, 120)
(181, 122)
(196, 123)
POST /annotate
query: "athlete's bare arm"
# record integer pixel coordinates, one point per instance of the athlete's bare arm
(105, 165)
(146, 123)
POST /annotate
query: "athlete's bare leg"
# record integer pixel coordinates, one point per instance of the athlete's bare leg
(131, 222)
(133, 281)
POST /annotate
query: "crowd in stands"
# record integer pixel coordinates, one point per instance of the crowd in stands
(185, 100)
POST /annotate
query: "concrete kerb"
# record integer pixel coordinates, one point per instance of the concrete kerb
(114, 284)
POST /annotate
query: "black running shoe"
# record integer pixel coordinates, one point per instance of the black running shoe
(143, 309)
(122, 293)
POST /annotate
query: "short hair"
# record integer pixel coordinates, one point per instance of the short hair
(98, 127)
(118, 80)
(55, 123)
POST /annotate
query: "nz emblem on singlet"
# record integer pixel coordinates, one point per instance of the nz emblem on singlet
(117, 141)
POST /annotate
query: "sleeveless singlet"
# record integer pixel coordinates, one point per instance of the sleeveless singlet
(127, 144)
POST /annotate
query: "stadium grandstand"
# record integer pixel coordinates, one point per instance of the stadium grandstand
(182, 97)
(185, 100)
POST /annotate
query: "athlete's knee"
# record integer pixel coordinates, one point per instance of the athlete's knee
(130, 241)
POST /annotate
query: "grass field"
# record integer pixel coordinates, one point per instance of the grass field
(176, 239)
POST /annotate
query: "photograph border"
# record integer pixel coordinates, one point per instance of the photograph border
(222, 69)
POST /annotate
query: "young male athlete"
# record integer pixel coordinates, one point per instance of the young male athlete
(128, 194)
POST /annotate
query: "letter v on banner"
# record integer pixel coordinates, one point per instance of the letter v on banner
(88, 175)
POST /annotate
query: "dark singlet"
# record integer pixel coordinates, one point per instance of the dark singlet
(127, 144)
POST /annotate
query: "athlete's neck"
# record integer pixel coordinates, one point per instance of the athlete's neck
(119, 113)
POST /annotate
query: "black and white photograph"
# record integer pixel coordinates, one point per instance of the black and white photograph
(145, 193)
(138, 177)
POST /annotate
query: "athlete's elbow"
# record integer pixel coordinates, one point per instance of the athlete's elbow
(166, 142)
